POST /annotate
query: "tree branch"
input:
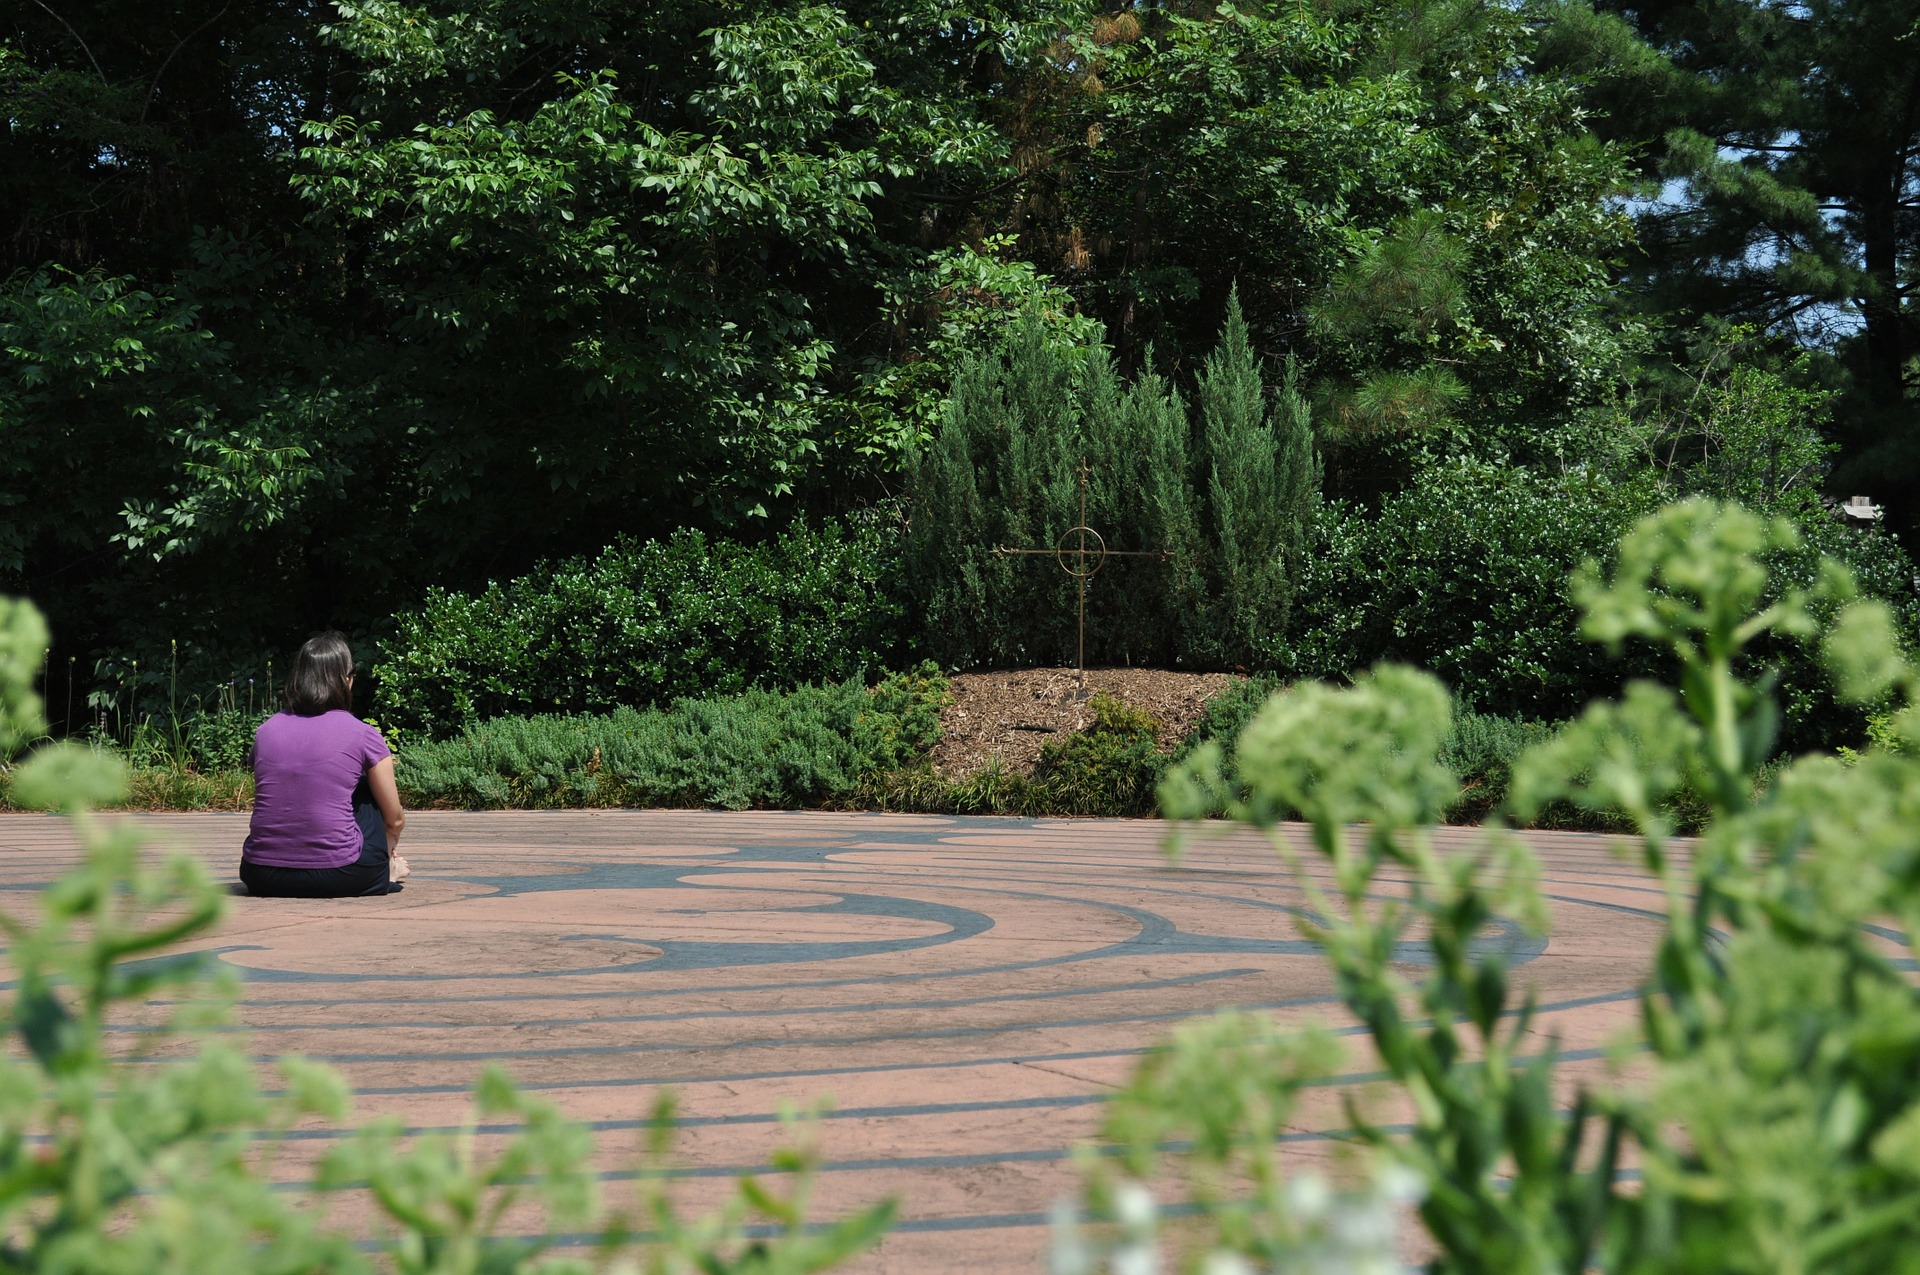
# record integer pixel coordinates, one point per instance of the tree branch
(76, 39)
(153, 89)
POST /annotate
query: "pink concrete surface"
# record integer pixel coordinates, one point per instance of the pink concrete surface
(964, 991)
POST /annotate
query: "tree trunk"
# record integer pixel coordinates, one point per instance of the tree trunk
(1880, 247)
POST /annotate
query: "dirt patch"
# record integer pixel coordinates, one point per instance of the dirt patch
(1009, 714)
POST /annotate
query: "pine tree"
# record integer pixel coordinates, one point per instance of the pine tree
(1796, 131)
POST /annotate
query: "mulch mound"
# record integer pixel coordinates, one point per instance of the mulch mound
(1009, 714)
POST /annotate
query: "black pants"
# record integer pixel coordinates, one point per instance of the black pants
(367, 875)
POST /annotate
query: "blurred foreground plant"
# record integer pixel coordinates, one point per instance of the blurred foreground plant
(1769, 1102)
(161, 1160)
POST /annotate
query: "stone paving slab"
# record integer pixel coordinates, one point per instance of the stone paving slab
(966, 991)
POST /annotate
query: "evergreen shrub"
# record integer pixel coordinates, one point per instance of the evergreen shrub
(1467, 571)
(1227, 713)
(757, 748)
(1111, 768)
(1232, 500)
(1481, 749)
(1464, 573)
(643, 623)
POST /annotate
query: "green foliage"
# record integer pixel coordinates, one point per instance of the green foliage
(1110, 768)
(1482, 749)
(1262, 488)
(322, 306)
(1479, 749)
(113, 398)
(654, 270)
(967, 298)
(645, 623)
(1788, 167)
(289, 289)
(23, 642)
(1759, 443)
(1001, 472)
(162, 1161)
(1232, 506)
(757, 748)
(206, 742)
(1735, 423)
(1771, 1111)
(1403, 200)
(1465, 574)
(1227, 713)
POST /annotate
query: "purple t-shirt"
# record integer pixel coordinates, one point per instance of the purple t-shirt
(304, 773)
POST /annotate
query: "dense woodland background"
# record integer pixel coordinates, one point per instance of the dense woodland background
(329, 314)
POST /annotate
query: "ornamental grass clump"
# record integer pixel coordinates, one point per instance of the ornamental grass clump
(1763, 1118)
(759, 748)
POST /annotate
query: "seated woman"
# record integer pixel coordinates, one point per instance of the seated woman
(326, 813)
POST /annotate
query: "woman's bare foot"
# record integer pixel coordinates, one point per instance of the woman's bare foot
(397, 869)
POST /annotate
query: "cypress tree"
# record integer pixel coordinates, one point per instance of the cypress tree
(1003, 469)
(1260, 480)
(947, 519)
(1162, 514)
(1299, 489)
(999, 472)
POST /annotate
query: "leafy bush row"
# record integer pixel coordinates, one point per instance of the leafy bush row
(645, 623)
(1466, 573)
(759, 748)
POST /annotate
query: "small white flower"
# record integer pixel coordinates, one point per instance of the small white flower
(1134, 1208)
(1400, 1184)
(1360, 1223)
(1136, 1259)
(1308, 1197)
(1224, 1263)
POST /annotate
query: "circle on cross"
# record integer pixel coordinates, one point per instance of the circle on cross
(1077, 548)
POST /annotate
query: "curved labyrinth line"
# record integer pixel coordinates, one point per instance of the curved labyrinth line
(969, 990)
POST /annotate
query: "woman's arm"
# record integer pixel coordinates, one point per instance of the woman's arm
(386, 795)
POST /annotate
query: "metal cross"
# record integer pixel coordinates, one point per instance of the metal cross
(1081, 552)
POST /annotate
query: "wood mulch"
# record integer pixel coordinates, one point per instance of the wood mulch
(1008, 714)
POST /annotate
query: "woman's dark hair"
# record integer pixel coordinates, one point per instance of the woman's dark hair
(318, 682)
